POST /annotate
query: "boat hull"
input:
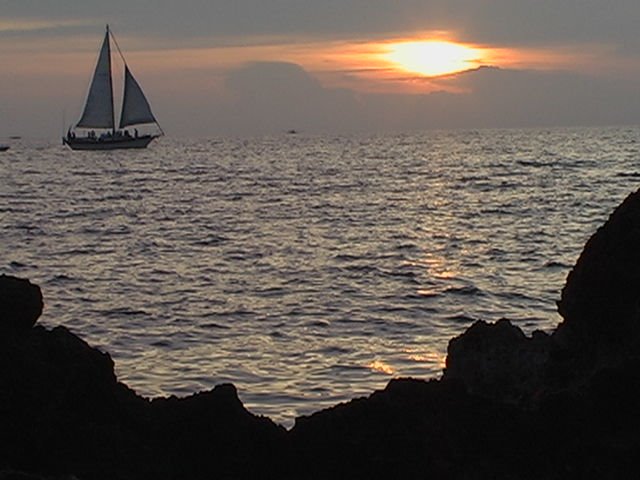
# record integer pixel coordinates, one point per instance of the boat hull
(117, 143)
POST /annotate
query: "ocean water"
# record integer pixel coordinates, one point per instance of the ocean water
(307, 270)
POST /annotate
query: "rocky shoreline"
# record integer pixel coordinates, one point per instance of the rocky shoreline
(546, 406)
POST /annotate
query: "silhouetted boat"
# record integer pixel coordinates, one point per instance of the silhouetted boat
(3, 147)
(99, 111)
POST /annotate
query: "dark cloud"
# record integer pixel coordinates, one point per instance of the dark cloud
(269, 97)
(523, 22)
(273, 97)
(512, 98)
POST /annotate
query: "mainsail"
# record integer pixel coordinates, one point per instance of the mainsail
(135, 107)
(98, 111)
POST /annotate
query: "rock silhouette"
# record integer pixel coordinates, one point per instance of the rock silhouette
(508, 406)
(499, 361)
(600, 302)
(20, 304)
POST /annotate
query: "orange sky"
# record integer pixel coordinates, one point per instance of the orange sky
(53, 72)
(368, 66)
(368, 60)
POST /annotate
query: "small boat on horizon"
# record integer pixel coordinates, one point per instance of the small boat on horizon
(4, 147)
(99, 111)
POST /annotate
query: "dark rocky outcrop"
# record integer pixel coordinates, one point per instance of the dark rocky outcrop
(422, 429)
(600, 306)
(499, 361)
(509, 406)
(62, 411)
(600, 302)
(212, 435)
(564, 405)
(20, 304)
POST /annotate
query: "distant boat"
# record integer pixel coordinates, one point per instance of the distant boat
(3, 147)
(99, 111)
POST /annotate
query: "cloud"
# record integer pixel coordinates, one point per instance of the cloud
(23, 26)
(270, 97)
(273, 97)
(492, 97)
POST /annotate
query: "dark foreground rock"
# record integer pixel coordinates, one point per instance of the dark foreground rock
(20, 304)
(62, 412)
(509, 406)
(600, 302)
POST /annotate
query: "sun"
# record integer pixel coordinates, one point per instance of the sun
(433, 58)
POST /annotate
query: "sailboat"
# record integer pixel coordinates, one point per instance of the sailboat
(99, 111)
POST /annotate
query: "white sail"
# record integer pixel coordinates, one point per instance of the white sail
(98, 111)
(135, 107)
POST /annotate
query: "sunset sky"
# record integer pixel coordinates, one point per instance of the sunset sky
(247, 67)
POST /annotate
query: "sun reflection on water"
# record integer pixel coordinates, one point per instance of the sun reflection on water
(381, 367)
(433, 358)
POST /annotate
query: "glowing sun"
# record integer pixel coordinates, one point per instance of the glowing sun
(433, 58)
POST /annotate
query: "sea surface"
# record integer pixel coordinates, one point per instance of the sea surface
(307, 270)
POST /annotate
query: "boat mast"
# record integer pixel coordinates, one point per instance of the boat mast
(113, 113)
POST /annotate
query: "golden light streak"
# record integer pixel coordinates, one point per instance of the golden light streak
(381, 367)
(432, 358)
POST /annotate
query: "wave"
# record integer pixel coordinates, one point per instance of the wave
(555, 265)
(214, 326)
(467, 290)
(60, 279)
(462, 318)
(123, 312)
(211, 241)
(535, 163)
